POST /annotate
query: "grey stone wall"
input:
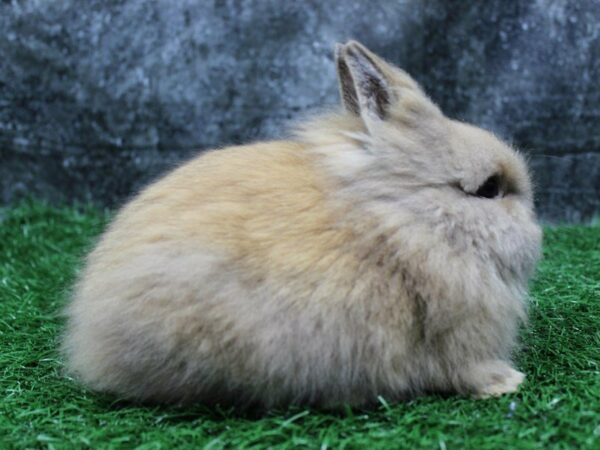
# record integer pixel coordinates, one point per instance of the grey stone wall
(98, 97)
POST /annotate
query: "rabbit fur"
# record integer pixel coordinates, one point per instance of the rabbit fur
(358, 259)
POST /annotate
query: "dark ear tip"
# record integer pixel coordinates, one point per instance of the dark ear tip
(355, 49)
(353, 45)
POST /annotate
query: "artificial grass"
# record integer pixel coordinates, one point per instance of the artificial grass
(558, 406)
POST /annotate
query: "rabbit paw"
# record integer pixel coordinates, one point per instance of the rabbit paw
(502, 385)
(495, 378)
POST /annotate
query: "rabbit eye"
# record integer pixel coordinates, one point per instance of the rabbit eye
(489, 189)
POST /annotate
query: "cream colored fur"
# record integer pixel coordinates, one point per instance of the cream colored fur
(351, 262)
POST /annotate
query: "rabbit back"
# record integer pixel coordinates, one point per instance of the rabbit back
(236, 279)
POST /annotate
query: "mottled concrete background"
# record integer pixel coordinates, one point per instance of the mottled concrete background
(97, 97)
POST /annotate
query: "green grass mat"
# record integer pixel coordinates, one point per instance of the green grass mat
(558, 407)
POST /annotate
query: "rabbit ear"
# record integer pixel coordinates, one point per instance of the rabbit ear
(346, 82)
(366, 90)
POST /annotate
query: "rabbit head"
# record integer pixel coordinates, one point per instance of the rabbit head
(425, 174)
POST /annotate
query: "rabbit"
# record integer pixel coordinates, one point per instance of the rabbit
(383, 251)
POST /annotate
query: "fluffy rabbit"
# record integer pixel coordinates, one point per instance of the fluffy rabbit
(384, 251)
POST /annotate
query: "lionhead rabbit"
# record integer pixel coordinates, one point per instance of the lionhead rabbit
(384, 251)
